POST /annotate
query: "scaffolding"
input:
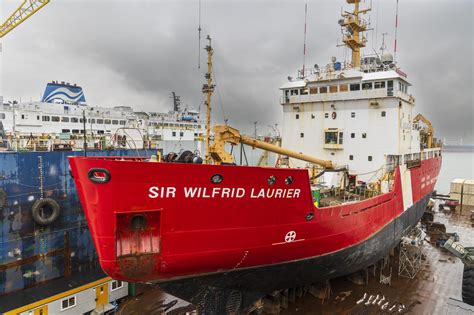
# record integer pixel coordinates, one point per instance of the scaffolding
(410, 253)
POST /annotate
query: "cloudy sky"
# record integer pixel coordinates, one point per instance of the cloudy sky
(136, 52)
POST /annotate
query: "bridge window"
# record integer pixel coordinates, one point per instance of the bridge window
(355, 87)
(122, 122)
(333, 89)
(107, 121)
(343, 88)
(45, 118)
(294, 92)
(323, 89)
(304, 92)
(115, 122)
(55, 118)
(65, 119)
(66, 131)
(100, 121)
(367, 86)
(379, 85)
(74, 120)
(313, 90)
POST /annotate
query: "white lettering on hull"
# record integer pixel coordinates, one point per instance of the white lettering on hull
(224, 192)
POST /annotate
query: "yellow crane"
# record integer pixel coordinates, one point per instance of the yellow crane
(426, 134)
(22, 13)
(225, 134)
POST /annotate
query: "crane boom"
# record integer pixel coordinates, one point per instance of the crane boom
(23, 12)
(225, 134)
(430, 131)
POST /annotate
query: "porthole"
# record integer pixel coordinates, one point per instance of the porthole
(217, 178)
(271, 180)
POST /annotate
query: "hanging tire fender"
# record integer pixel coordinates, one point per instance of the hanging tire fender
(38, 213)
(3, 199)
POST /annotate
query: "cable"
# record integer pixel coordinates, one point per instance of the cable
(219, 94)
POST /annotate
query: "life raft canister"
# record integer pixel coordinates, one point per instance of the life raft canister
(40, 213)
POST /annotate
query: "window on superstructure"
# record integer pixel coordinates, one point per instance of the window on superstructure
(68, 303)
(370, 158)
(81, 120)
(297, 116)
(383, 113)
(55, 118)
(353, 135)
(45, 118)
(313, 116)
(294, 92)
(379, 85)
(330, 137)
(2, 116)
(173, 133)
(313, 90)
(353, 114)
(22, 116)
(343, 88)
(108, 122)
(326, 115)
(100, 121)
(323, 89)
(115, 122)
(367, 86)
(302, 135)
(66, 131)
(116, 284)
(64, 119)
(364, 135)
(74, 120)
(341, 134)
(122, 122)
(75, 131)
(354, 87)
(37, 117)
(303, 91)
(101, 132)
(351, 157)
(92, 121)
(333, 89)
(181, 134)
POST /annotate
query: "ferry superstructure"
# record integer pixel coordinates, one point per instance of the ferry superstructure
(62, 116)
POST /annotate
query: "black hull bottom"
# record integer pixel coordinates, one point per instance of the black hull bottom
(212, 291)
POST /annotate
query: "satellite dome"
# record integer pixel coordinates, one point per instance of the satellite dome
(387, 58)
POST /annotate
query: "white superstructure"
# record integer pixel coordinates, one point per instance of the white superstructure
(60, 120)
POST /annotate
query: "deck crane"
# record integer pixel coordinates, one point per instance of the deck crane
(427, 135)
(22, 13)
(225, 134)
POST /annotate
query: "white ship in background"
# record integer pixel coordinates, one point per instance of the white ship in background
(60, 119)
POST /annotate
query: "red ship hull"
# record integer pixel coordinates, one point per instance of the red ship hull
(241, 233)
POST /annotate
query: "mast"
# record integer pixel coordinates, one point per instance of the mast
(353, 28)
(208, 89)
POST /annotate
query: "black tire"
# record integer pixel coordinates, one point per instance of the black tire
(3, 199)
(468, 285)
(38, 211)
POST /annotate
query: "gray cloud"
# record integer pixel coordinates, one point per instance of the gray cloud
(136, 52)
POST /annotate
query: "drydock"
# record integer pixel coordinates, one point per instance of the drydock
(114, 210)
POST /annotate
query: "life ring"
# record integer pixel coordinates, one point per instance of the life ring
(99, 175)
(3, 199)
(38, 213)
(334, 115)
